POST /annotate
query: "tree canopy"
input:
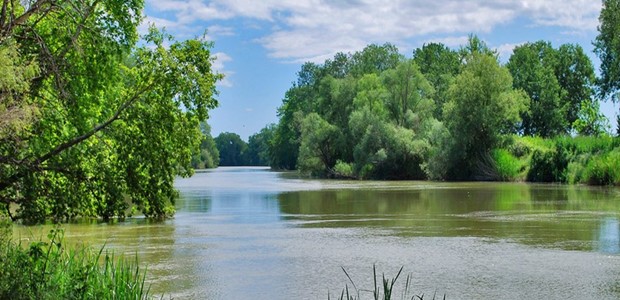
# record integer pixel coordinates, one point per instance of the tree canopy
(440, 114)
(107, 125)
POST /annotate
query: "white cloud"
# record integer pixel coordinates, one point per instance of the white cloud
(220, 58)
(316, 29)
(506, 50)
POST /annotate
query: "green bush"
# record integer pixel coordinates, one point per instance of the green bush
(49, 270)
(508, 167)
(343, 170)
(603, 169)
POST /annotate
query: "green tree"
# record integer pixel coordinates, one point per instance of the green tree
(440, 65)
(575, 74)
(317, 153)
(607, 48)
(259, 146)
(114, 123)
(208, 156)
(232, 149)
(482, 107)
(374, 59)
(532, 67)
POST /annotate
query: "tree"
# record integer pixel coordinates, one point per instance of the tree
(318, 145)
(532, 67)
(575, 74)
(374, 59)
(440, 65)
(232, 149)
(482, 107)
(208, 156)
(607, 48)
(259, 146)
(114, 123)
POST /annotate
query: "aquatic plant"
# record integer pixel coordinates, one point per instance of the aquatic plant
(50, 270)
(383, 291)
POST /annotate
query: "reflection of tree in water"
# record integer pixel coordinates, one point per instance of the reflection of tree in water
(540, 215)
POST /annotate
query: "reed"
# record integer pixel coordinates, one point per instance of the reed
(50, 270)
(383, 291)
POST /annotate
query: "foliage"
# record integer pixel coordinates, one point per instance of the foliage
(443, 114)
(482, 106)
(603, 169)
(209, 156)
(507, 166)
(115, 123)
(532, 70)
(259, 146)
(317, 150)
(440, 65)
(50, 270)
(559, 83)
(607, 47)
(231, 148)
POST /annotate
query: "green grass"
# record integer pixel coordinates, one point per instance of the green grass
(382, 291)
(50, 270)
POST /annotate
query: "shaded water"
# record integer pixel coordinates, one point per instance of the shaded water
(248, 233)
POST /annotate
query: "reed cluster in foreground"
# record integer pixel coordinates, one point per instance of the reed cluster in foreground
(383, 291)
(50, 270)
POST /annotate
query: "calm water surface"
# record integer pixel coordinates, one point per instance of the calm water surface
(249, 233)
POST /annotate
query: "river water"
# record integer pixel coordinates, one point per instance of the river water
(250, 233)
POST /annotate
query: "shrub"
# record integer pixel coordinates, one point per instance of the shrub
(343, 169)
(604, 169)
(507, 166)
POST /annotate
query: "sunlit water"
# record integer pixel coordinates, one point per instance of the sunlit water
(249, 233)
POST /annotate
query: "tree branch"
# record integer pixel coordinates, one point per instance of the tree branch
(35, 165)
(37, 7)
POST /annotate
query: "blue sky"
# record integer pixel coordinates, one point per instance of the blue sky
(260, 45)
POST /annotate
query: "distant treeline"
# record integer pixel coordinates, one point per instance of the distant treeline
(443, 114)
(447, 114)
(228, 149)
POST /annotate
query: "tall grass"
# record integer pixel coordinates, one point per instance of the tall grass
(50, 270)
(383, 291)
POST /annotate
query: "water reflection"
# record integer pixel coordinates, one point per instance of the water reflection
(542, 215)
(609, 236)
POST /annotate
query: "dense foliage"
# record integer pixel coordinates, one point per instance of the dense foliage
(209, 155)
(443, 114)
(234, 151)
(90, 123)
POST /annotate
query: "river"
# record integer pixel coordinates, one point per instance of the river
(250, 233)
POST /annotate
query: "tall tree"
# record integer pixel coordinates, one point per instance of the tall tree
(575, 74)
(259, 146)
(440, 65)
(114, 123)
(232, 149)
(607, 48)
(532, 68)
(208, 156)
(482, 107)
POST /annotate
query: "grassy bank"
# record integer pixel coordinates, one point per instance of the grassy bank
(50, 270)
(586, 160)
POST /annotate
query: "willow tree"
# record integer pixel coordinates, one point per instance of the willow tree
(482, 106)
(110, 124)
